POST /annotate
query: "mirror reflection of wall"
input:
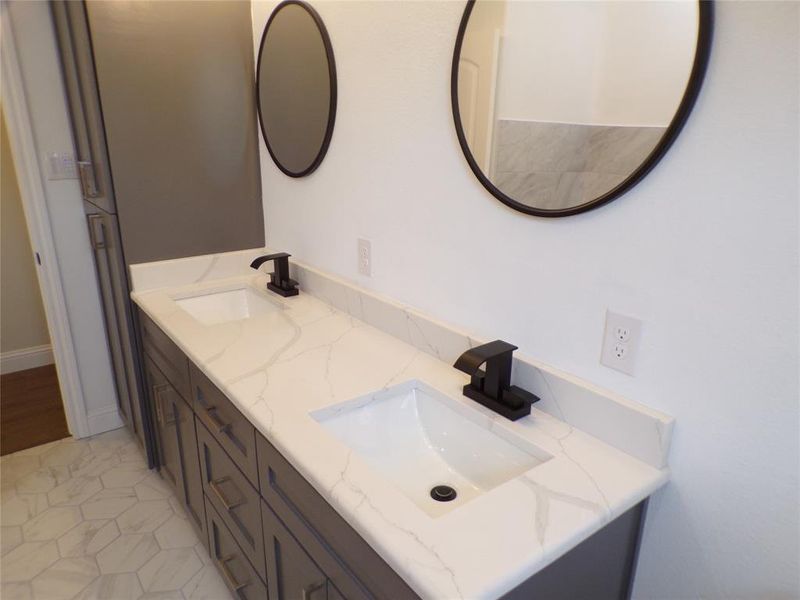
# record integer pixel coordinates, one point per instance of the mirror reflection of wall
(296, 87)
(561, 101)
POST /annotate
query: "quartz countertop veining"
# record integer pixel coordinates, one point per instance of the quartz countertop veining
(280, 366)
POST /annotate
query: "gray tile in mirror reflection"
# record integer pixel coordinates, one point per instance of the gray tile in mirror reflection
(533, 188)
(584, 186)
(87, 519)
(558, 165)
(620, 150)
(533, 146)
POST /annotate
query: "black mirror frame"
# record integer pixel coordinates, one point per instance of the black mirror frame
(699, 66)
(331, 74)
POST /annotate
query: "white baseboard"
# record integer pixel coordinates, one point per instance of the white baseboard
(104, 420)
(27, 358)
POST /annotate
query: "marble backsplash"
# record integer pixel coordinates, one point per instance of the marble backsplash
(628, 426)
(634, 428)
(557, 165)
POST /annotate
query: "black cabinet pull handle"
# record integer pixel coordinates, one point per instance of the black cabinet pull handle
(310, 589)
(226, 573)
(214, 485)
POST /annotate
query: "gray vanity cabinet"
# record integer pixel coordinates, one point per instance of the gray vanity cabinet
(166, 371)
(273, 536)
(291, 572)
(176, 442)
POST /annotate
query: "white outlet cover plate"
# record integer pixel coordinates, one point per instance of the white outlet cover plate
(364, 257)
(621, 331)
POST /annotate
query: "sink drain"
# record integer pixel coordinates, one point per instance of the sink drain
(443, 493)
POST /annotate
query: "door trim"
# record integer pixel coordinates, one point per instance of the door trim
(30, 177)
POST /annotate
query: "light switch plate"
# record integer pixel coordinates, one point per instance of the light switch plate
(621, 342)
(60, 165)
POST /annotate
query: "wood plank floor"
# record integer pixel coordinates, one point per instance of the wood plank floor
(31, 411)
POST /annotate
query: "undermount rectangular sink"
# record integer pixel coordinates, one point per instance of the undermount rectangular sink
(419, 438)
(227, 305)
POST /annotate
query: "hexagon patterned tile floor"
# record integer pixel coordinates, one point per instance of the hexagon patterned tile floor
(86, 519)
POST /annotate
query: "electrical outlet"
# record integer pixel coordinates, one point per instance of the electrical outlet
(364, 257)
(622, 333)
(620, 342)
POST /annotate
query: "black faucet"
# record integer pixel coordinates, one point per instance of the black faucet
(279, 280)
(492, 388)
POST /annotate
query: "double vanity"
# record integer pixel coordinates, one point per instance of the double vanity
(324, 447)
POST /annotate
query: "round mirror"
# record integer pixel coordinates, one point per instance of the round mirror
(561, 107)
(296, 88)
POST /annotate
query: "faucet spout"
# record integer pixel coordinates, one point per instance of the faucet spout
(279, 282)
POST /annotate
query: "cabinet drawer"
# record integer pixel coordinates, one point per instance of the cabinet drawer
(292, 573)
(166, 355)
(236, 501)
(231, 560)
(228, 426)
(351, 565)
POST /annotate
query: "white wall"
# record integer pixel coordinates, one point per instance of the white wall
(704, 250)
(598, 62)
(35, 42)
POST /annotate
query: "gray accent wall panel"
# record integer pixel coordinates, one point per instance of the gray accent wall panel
(177, 89)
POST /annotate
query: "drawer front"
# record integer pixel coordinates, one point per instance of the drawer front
(228, 426)
(231, 560)
(166, 355)
(236, 501)
(351, 565)
(291, 572)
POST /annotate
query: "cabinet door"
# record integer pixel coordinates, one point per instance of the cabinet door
(190, 467)
(333, 593)
(163, 397)
(291, 574)
(165, 355)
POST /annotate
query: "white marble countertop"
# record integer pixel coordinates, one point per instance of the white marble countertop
(278, 367)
